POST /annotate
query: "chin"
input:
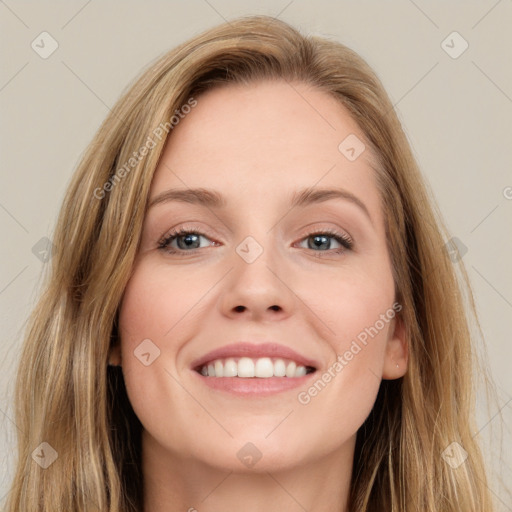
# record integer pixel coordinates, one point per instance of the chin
(249, 455)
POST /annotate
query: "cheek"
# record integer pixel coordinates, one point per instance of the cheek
(152, 322)
(354, 304)
(343, 394)
(361, 314)
(157, 302)
(149, 313)
(358, 310)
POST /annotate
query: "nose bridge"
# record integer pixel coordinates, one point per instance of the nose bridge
(255, 285)
(256, 256)
(256, 229)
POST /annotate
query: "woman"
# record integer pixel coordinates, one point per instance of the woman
(310, 352)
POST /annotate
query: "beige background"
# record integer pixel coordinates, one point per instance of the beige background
(457, 113)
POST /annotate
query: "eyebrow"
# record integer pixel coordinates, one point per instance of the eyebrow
(311, 195)
(215, 200)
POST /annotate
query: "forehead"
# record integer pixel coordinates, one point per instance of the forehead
(257, 140)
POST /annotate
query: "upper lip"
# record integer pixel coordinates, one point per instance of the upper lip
(255, 350)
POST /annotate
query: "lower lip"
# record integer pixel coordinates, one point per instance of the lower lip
(254, 386)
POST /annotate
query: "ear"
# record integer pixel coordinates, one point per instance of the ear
(114, 358)
(397, 350)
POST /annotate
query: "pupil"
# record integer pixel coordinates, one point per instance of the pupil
(321, 240)
(188, 240)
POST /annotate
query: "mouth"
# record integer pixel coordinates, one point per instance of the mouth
(254, 368)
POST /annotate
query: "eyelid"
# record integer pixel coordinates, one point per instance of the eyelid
(319, 227)
(188, 226)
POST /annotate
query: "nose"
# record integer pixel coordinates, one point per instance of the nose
(257, 289)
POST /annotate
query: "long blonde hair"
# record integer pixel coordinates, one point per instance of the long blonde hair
(68, 397)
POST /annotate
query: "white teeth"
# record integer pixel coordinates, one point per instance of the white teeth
(290, 369)
(279, 368)
(218, 369)
(230, 368)
(300, 371)
(264, 368)
(245, 367)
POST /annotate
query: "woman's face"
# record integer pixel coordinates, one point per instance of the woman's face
(260, 263)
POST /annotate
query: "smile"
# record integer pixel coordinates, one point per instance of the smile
(246, 367)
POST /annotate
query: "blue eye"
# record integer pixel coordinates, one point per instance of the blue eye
(189, 241)
(323, 238)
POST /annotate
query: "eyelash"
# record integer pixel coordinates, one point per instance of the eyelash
(343, 239)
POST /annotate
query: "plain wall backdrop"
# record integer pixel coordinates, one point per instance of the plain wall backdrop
(446, 66)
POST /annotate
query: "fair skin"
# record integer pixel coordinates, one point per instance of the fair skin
(256, 145)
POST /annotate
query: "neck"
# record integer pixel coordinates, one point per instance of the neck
(175, 483)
